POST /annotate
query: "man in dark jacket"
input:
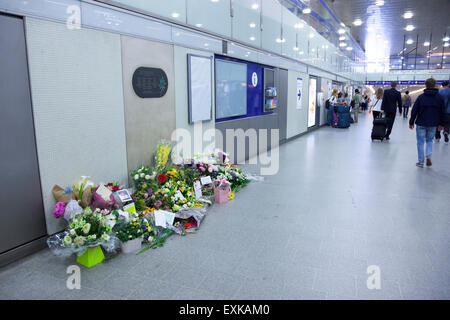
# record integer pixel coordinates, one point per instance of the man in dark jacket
(391, 99)
(428, 113)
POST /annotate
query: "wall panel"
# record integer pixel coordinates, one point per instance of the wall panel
(147, 120)
(181, 98)
(76, 82)
(296, 118)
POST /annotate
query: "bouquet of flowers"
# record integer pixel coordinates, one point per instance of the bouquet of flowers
(222, 183)
(137, 227)
(83, 191)
(234, 175)
(99, 201)
(114, 186)
(87, 229)
(169, 191)
(216, 157)
(142, 174)
(163, 151)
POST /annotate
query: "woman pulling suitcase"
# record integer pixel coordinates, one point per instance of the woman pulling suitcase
(379, 123)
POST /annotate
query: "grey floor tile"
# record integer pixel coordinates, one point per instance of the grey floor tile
(186, 293)
(389, 290)
(336, 284)
(259, 290)
(292, 292)
(184, 275)
(222, 283)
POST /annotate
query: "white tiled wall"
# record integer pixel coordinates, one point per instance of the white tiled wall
(76, 82)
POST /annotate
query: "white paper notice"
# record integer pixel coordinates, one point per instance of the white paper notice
(179, 195)
(164, 218)
(160, 219)
(206, 180)
(170, 217)
(104, 192)
(198, 190)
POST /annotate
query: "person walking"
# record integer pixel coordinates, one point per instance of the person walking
(375, 103)
(427, 113)
(391, 99)
(355, 105)
(445, 93)
(406, 103)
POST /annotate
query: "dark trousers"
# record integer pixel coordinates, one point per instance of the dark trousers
(405, 112)
(446, 127)
(390, 116)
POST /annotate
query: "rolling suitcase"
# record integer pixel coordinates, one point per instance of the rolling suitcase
(343, 114)
(379, 128)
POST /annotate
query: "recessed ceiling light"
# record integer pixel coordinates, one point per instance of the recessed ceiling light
(378, 36)
(280, 40)
(306, 10)
(295, 48)
(311, 35)
(408, 15)
(255, 6)
(342, 38)
(370, 29)
(342, 44)
(342, 24)
(379, 2)
(446, 44)
(175, 15)
(252, 38)
(357, 22)
(301, 52)
(252, 25)
(409, 41)
(341, 31)
(349, 48)
(206, 45)
(421, 61)
(198, 25)
(446, 39)
(298, 25)
(214, 0)
(409, 27)
(386, 41)
(426, 44)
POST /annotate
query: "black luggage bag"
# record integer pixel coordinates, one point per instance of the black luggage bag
(379, 128)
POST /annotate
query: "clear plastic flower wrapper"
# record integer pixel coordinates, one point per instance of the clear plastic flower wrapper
(188, 220)
(88, 229)
(254, 178)
(71, 209)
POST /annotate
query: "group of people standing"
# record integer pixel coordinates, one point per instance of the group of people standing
(430, 114)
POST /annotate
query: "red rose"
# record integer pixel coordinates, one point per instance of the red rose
(188, 225)
(162, 178)
(115, 188)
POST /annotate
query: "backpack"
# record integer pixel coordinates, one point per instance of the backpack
(327, 104)
(407, 101)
